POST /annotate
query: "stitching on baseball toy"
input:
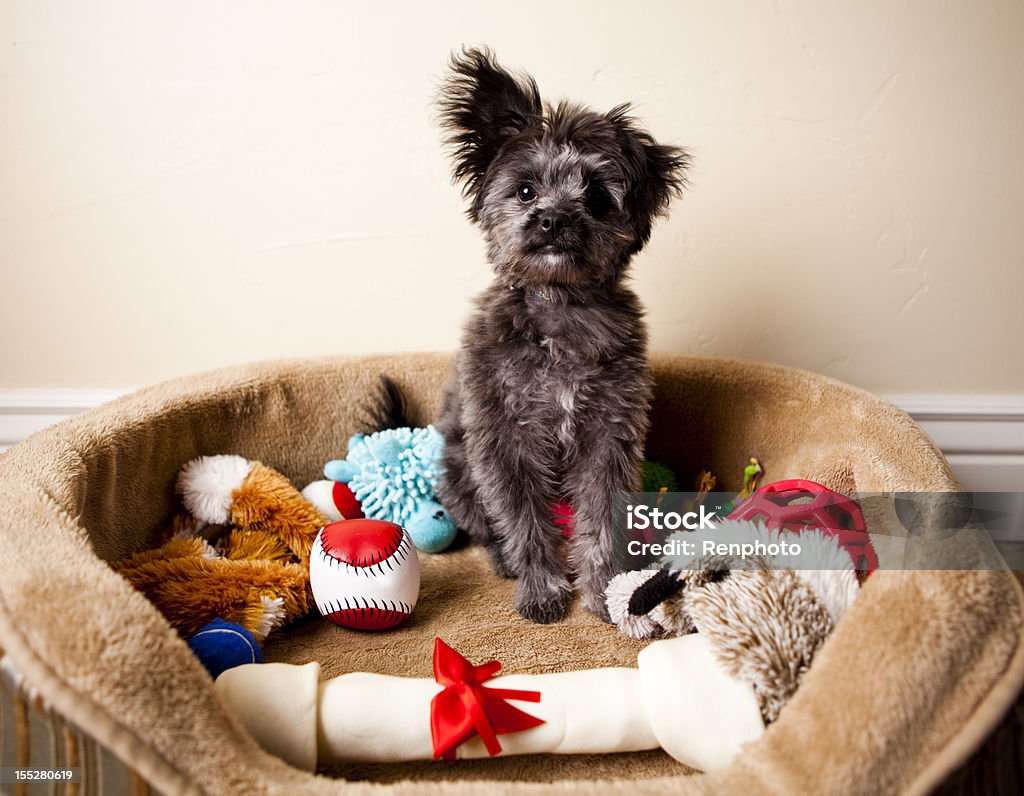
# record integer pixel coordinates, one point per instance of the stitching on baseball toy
(376, 568)
(398, 540)
(370, 604)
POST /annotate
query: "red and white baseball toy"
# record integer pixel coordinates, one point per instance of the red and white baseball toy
(364, 574)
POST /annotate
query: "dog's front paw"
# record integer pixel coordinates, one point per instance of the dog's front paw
(597, 605)
(543, 603)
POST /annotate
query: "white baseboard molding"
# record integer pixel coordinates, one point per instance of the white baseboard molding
(980, 472)
(24, 412)
(982, 435)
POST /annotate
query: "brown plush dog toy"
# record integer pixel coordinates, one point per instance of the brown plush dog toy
(241, 553)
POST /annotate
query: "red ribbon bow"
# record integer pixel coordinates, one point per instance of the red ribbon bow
(466, 707)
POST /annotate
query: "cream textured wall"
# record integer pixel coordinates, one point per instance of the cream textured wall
(187, 185)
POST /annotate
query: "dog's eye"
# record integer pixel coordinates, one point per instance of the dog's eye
(597, 199)
(526, 193)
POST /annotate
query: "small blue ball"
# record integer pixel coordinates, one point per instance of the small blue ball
(222, 645)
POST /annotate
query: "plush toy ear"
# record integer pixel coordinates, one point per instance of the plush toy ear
(483, 107)
(655, 173)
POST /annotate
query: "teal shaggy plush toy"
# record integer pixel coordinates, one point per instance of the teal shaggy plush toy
(394, 474)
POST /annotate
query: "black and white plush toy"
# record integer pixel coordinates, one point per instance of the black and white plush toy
(765, 615)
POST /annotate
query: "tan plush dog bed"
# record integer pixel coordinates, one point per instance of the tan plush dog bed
(916, 676)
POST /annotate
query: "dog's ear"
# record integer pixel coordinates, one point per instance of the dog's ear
(655, 173)
(483, 107)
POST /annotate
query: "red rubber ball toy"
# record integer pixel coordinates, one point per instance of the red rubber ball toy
(796, 505)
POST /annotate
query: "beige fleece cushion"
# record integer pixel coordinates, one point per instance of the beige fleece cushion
(916, 675)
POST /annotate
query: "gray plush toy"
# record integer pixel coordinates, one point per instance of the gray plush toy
(765, 616)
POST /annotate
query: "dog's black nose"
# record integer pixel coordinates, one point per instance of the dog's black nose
(554, 223)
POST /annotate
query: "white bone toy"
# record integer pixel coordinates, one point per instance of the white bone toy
(679, 698)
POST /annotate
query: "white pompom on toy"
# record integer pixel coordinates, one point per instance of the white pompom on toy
(364, 574)
(206, 486)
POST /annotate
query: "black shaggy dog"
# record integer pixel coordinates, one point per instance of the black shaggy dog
(549, 398)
